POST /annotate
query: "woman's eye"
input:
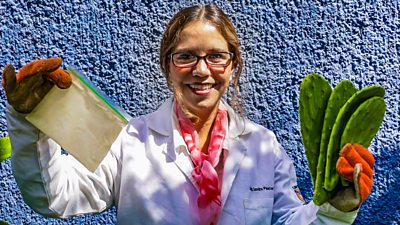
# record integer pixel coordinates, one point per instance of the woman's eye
(184, 56)
(216, 56)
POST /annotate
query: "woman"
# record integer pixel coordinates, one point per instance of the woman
(193, 161)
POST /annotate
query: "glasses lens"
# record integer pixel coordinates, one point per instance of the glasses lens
(218, 59)
(184, 59)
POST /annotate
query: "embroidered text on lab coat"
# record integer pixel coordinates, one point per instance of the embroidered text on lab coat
(263, 188)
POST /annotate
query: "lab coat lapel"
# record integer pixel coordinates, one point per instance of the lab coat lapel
(177, 151)
(237, 151)
(162, 122)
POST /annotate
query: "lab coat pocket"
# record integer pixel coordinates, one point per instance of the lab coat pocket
(258, 210)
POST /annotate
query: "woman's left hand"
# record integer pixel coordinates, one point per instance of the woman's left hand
(355, 164)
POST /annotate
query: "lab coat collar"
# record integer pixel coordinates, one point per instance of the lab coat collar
(161, 120)
(163, 124)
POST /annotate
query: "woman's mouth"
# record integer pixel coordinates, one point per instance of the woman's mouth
(201, 89)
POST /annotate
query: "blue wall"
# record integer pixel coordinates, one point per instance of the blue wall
(116, 45)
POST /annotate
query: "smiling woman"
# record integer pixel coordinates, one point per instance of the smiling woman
(195, 160)
(215, 22)
(199, 88)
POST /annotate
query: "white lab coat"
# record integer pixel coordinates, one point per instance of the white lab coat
(147, 176)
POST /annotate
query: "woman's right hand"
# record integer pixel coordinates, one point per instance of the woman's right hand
(27, 88)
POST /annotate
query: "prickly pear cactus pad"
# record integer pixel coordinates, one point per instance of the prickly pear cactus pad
(340, 94)
(329, 120)
(314, 95)
(364, 122)
(331, 176)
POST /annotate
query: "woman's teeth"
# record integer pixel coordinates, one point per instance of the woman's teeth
(200, 86)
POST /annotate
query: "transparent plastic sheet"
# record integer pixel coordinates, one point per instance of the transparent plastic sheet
(81, 119)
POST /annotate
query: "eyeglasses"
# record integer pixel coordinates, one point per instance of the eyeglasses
(185, 59)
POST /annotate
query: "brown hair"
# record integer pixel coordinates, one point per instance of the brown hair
(214, 15)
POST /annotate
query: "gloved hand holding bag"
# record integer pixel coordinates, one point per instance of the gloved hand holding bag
(27, 88)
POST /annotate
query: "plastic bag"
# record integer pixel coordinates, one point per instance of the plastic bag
(81, 119)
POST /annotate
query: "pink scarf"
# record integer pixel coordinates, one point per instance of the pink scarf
(204, 173)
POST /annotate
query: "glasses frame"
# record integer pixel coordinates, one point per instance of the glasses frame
(209, 64)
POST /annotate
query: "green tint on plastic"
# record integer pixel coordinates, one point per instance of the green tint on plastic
(121, 113)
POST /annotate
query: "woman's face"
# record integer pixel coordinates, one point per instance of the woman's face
(199, 88)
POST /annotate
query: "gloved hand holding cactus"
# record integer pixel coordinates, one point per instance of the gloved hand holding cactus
(337, 127)
(355, 164)
(26, 89)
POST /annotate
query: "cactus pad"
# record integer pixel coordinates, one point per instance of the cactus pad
(331, 176)
(314, 95)
(364, 123)
(340, 94)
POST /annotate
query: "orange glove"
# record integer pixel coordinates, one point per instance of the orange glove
(26, 89)
(355, 164)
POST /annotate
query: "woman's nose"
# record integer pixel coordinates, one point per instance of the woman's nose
(201, 69)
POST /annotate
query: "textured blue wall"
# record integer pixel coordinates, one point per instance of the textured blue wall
(116, 45)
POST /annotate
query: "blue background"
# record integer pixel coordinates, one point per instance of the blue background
(116, 44)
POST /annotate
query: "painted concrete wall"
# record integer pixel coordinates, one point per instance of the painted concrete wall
(116, 43)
